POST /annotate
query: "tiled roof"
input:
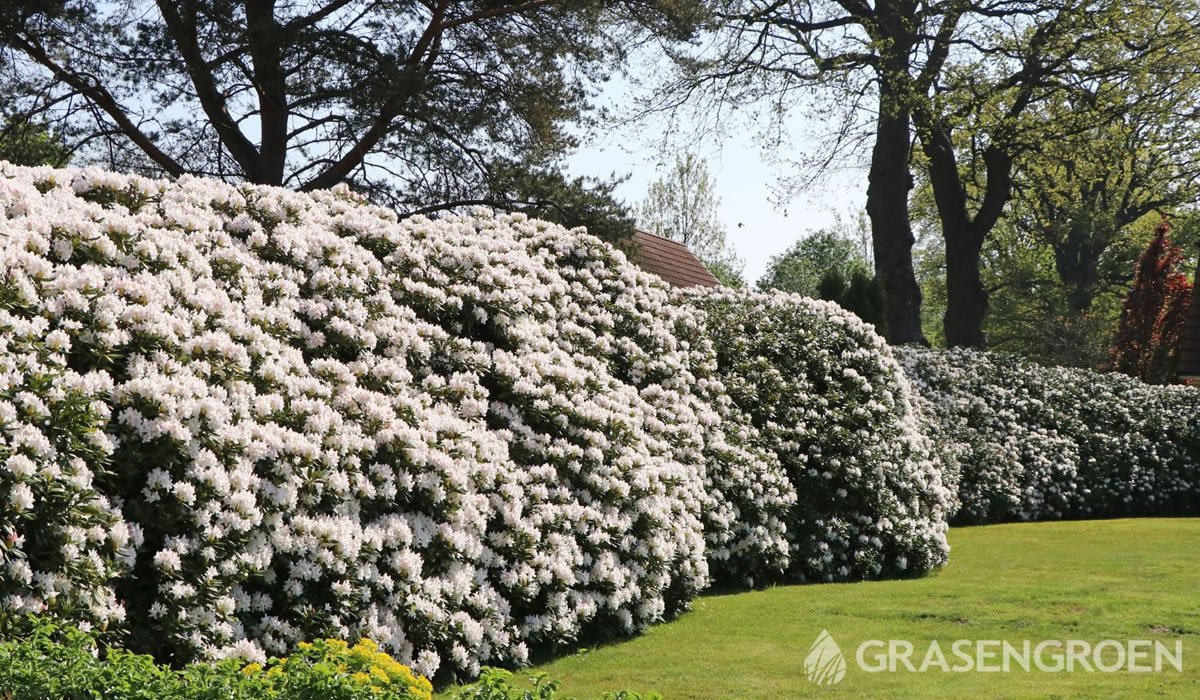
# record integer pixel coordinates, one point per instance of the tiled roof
(1189, 349)
(670, 260)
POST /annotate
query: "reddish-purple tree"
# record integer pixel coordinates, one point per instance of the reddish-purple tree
(1152, 319)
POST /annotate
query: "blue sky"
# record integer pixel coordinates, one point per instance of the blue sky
(744, 180)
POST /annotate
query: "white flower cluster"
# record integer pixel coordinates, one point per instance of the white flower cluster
(61, 542)
(1028, 442)
(232, 418)
(825, 395)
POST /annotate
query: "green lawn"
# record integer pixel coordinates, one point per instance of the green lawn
(1120, 579)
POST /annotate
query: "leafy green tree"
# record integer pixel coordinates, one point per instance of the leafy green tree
(1087, 199)
(881, 64)
(1033, 92)
(418, 103)
(831, 264)
(801, 267)
(1031, 310)
(728, 272)
(1027, 312)
(23, 142)
(1030, 313)
(682, 205)
(1084, 166)
(953, 75)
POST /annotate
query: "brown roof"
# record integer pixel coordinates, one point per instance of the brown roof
(670, 260)
(1189, 348)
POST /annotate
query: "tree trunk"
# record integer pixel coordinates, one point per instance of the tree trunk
(887, 206)
(1077, 261)
(266, 53)
(966, 297)
(964, 234)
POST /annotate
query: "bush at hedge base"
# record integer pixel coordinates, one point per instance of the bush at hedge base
(52, 662)
(829, 400)
(1042, 443)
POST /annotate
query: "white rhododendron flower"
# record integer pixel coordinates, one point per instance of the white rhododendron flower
(279, 416)
(827, 398)
(1027, 442)
(462, 437)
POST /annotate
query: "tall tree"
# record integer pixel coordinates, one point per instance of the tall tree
(899, 68)
(682, 205)
(1083, 197)
(988, 113)
(420, 103)
(875, 59)
(818, 254)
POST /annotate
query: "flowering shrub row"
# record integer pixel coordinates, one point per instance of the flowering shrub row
(233, 418)
(1027, 442)
(829, 402)
(286, 416)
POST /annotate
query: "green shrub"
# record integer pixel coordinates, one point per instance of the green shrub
(59, 663)
(498, 684)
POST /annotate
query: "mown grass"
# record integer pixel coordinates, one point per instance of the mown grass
(1091, 580)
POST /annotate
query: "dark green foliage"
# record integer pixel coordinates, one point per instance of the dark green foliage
(862, 295)
(56, 663)
(28, 143)
(728, 272)
(546, 193)
(832, 285)
(498, 684)
(803, 267)
(415, 103)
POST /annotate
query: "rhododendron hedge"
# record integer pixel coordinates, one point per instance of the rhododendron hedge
(1028, 442)
(829, 400)
(235, 417)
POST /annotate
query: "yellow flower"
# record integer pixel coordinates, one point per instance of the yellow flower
(251, 669)
(381, 675)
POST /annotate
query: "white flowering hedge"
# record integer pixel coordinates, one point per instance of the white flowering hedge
(232, 418)
(1027, 442)
(826, 397)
